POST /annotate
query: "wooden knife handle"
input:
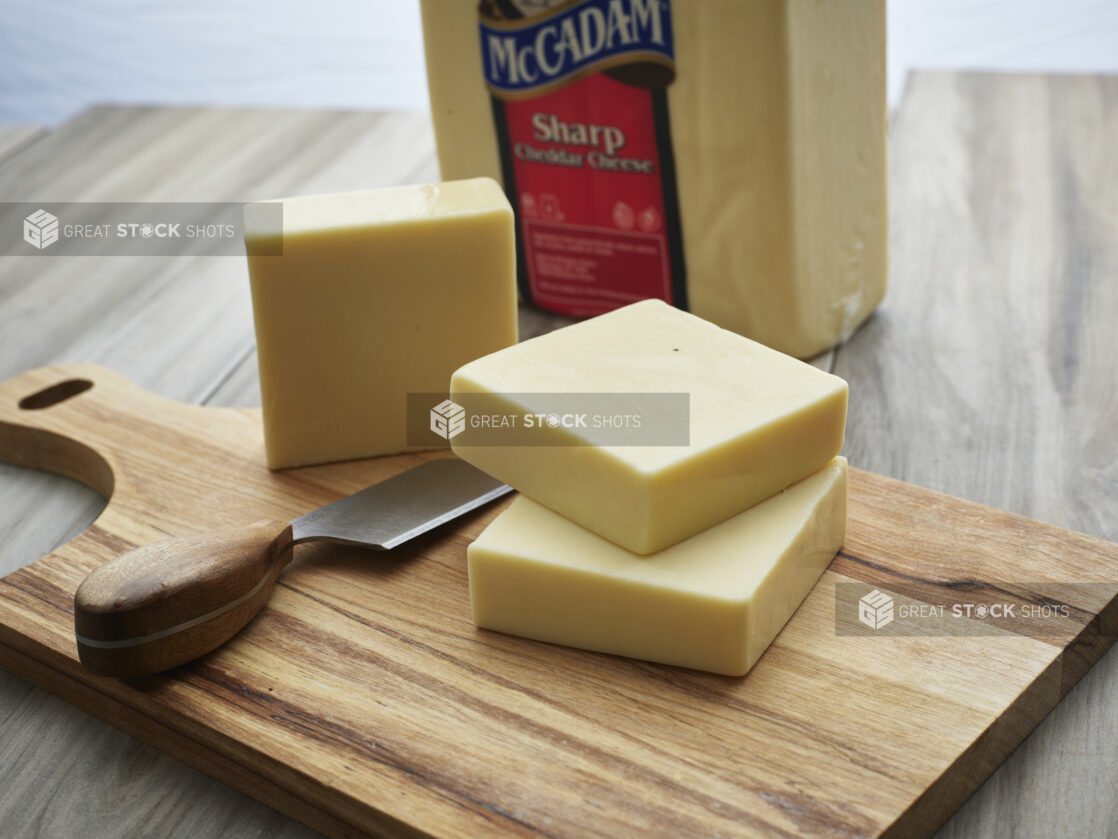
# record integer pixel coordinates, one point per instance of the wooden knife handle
(169, 602)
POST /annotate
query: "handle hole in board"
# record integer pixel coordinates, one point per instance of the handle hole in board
(49, 396)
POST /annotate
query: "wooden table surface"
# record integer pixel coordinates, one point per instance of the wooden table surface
(990, 372)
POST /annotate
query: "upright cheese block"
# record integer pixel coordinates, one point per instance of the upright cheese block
(758, 422)
(728, 156)
(714, 602)
(362, 298)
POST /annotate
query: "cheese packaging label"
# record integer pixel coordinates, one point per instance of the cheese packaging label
(725, 156)
(580, 109)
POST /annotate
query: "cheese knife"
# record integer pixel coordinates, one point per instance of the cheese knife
(169, 602)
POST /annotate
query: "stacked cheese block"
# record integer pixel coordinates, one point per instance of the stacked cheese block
(694, 555)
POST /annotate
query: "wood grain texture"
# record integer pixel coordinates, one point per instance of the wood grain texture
(991, 370)
(192, 592)
(127, 312)
(375, 717)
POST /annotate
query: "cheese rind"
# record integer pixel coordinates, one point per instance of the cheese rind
(375, 295)
(759, 421)
(714, 602)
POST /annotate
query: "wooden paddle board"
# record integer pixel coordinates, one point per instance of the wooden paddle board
(364, 701)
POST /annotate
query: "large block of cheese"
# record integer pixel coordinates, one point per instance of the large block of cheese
(714, 602)
(376, 295)
(759, 421)
(775, 111)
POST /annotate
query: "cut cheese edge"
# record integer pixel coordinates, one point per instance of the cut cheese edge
(714, 602)
(376, 295)
(759, 421)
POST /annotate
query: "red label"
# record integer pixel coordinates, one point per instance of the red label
(589, 196)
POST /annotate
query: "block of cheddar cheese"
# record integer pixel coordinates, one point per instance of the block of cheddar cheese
(362, 298)
(728, 156)
(713, 602)
(758, 422)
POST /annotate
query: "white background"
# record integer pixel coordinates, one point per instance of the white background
(60, 56)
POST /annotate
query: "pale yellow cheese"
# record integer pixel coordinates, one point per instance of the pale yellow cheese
(759, 421)
(714, 602)
(376, 295)
(778, 125)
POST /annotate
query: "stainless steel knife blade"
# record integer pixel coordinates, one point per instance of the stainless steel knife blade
(393, 511)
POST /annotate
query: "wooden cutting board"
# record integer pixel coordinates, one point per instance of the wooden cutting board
(364, 701)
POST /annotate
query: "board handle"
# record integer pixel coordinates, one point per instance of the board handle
(169, 602)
